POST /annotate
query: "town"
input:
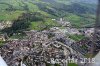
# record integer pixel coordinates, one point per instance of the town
(38, 47)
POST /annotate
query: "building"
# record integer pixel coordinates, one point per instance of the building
(2, 38)
(5, 24)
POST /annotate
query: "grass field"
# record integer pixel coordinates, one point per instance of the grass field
(2, 43)
(9, 16)
(76, 37)
(43, 25)
(72, 64)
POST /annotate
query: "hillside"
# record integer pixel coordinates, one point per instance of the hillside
(88, 1)
(36, 13)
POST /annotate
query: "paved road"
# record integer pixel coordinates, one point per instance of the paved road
(2, 62)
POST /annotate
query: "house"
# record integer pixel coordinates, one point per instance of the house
(3, 37)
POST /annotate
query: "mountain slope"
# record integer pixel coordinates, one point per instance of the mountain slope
(89, 1)
(68, 9)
